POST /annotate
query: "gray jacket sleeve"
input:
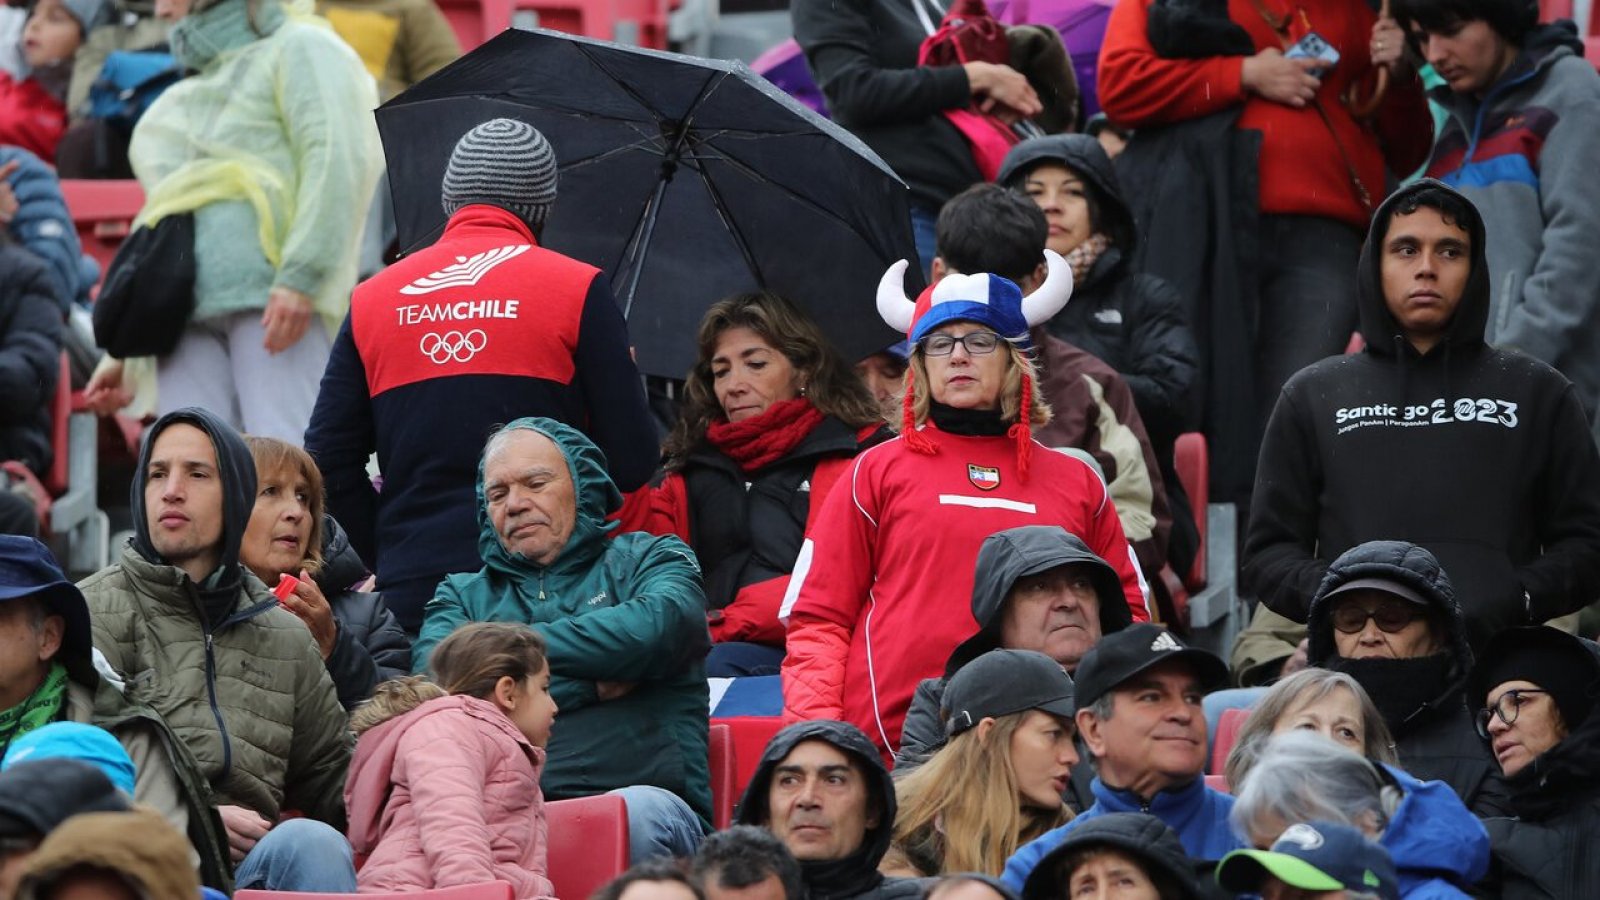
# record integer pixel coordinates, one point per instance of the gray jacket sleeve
(923, 734)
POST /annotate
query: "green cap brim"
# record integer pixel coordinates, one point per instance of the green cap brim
(1293, 871)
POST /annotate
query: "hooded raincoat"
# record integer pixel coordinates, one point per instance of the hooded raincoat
(1423, 701)
(1481, 455)
(623, 609)
(1440, 850)
(856, 876)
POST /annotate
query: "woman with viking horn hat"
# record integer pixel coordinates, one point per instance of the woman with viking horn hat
(882, 591)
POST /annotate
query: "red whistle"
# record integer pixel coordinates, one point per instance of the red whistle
(286, 585)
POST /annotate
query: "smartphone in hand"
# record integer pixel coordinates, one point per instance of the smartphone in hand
(1313, 46)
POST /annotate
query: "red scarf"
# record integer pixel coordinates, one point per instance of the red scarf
(767, 438)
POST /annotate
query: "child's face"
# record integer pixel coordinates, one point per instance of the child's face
(535, 709)
(51, 35)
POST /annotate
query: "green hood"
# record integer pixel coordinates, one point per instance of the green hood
(597, 496)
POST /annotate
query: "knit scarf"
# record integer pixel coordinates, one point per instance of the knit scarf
(38, 710)
(1082, 257)
(1402, 689)
(200, 37)
(762, 440)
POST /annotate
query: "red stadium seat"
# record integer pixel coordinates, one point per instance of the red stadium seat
(493, 890)
(750, 735)
(1192, 459)
(1217, 783)
(1228, 725)
(588, 843)
(723, 795)
(640, 22)
(103, 212)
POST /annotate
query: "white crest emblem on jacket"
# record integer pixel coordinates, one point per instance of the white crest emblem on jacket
(467, 270)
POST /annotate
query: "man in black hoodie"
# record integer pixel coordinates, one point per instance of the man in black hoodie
(1481, 455)
(823, 790)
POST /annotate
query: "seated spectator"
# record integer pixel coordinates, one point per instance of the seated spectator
(36, 797)
(656, 879)
(625, 621)
(75, 740)
(93, 147)
(969, 886)
(989, 229)
(33, 110)
(1387, 616)
(1008, 715)
(400, 42)
(1138, 699)
(31, 332)
(1522, 107)
(884, 375)
(205, 645)
(966, 459)
(771, 418)
(130, 855)
(1125, 855)
(1134, 322)
(1537, 686)
(35, 213)
(747, 863)
(289, 534)
(1035, 587)
(1329, 703)
(1322, 860)
(444, 790)
(822, 789)
(1440, 849)
(53, 678)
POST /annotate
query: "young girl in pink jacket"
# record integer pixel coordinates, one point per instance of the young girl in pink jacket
(444, 786)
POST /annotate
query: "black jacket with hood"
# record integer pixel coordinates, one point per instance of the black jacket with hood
(856, 877)
(1423, 701)
(1004, 558)
(371, 646)
(1481, 455)
(30, 358)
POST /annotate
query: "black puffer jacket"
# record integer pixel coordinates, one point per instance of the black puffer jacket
(1423, 701)
(30, 354)
(371, 646)
(856, 877)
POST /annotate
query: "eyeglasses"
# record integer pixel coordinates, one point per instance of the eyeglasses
(978, 343)
(1507, 707)
(1391, 617)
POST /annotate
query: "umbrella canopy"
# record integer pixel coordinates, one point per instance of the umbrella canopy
(685, 179)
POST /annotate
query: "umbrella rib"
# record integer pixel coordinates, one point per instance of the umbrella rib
(733, 229)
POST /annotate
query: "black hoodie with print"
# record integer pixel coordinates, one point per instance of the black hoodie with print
(1481, 455)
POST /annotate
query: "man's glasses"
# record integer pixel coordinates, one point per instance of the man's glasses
(1391, 616)
(1507, 707)
(978, 343)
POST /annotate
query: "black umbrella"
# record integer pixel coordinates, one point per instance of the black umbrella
(685, 179)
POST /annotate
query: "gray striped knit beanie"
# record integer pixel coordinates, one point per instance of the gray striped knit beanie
(503, 163)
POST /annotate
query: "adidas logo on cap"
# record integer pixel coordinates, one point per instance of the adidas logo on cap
(1165, 641)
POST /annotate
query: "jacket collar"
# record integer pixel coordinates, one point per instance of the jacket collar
(477, 220)
(1175, 806)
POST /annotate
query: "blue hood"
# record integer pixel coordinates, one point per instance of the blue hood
(1433, 836)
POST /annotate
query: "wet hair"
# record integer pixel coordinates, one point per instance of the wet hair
(987, 228)
(1304, 777)
(392, 698)
(651, 870)
(474, 658)
(1455, 209)
(1303, 687)
(272, 456)
(830, 381)
(745, 855)
(1510, 19)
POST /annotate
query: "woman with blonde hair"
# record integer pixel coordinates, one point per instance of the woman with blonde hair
(1329, 703)
(998, 782)
(891, 595)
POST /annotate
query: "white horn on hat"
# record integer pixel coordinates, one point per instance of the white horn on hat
(893, 304)
(1051, 296)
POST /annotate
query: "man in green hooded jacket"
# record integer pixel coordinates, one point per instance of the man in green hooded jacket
(625, 621)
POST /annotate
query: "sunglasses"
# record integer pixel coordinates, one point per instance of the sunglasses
(1391, 616)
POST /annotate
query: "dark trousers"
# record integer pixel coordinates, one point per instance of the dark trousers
(1308, 298)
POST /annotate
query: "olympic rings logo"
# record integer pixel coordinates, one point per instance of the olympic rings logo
(453, 345)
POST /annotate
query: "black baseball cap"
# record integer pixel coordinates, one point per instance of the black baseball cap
(1002, 682)
(1120, 656)
(1315, 856)
(1384, 585)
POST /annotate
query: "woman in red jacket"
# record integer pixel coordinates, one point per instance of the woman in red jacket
(882, 591)
(771, 415)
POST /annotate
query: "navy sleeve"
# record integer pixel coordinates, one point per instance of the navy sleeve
(619, 419)
(30, 339)
(341, 438)
(44, 226)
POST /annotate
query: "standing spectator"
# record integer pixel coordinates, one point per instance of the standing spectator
(1537, 686)
(1132, 321)
(30, 363)
(1519, 141)
(771, 418)
(625, 621)
(1387, 616)
(196, 637)
(444, 790)
(33, 110)
(400, 42)
(289, 535)
(822, 789)
(864, 55)
(1248, 160)
(1490, 448)
(276, 229)
(965, 455)
(424, 368)
(747, 863)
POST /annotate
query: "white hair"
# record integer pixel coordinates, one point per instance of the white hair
(1302, 776)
